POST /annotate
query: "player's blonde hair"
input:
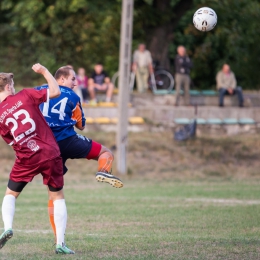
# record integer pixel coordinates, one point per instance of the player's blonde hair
(63, 71)
(5, 78)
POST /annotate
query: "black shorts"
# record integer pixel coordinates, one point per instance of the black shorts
(78, 147)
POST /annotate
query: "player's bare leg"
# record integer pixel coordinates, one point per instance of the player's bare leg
(105, 161)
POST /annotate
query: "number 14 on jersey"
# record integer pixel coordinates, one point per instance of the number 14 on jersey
(58, 108)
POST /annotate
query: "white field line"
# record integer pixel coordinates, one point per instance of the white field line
(38, 231)
(33, 231)
(225, 201)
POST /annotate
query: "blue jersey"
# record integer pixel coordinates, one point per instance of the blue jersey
(63, 113)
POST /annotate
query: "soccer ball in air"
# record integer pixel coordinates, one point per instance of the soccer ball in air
(205, 19)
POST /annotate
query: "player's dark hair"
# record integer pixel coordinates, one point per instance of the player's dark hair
(5, 78)
(63, 71)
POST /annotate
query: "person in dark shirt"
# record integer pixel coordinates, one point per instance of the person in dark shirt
(100, 81)
(183, 65)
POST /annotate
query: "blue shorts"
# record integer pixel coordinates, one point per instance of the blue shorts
(78, 147)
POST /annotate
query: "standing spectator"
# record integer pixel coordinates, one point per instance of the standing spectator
(82, 81)
(183, 65)
(227, 85)
(100, 81)
(142, 66)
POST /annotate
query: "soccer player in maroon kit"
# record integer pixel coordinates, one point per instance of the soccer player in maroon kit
(24, 128)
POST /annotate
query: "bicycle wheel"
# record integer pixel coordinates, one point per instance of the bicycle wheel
(163, 80)
(115, 79)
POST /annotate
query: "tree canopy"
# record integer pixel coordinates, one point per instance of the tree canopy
(83, 32)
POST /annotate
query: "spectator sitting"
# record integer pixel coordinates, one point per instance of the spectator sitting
(227, 85)
(82, 81)
(100, 81)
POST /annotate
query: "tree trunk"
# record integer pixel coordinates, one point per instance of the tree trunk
(159, 45)
(160, 37)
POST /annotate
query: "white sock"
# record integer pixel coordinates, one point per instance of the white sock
(8, 209)
(60, 219)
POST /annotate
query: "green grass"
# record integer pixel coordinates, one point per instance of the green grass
(145, 220)
(191, 200)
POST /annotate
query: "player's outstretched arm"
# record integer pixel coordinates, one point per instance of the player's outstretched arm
(52, 83)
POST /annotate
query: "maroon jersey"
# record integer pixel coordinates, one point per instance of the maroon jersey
(24, 128)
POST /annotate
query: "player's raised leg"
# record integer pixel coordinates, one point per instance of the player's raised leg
(105, 160)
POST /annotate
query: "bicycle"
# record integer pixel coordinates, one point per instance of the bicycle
(161, 79)
(114, 80)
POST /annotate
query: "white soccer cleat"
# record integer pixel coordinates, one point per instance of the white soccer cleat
(109, 178)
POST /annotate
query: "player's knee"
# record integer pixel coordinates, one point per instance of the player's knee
(106, 150)
(112, 155)
(55, 193)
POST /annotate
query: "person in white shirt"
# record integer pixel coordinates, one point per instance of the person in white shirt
(142, 67)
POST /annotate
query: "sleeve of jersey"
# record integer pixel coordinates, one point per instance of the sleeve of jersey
(38, 96)
(78, 116)
(7, 136)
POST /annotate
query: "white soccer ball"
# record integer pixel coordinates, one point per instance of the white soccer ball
(205, 19)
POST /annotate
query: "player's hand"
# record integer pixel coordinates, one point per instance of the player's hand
(38, 68)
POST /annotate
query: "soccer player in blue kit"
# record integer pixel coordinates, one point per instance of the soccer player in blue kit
(62, 114)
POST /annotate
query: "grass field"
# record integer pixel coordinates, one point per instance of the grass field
(195, 200)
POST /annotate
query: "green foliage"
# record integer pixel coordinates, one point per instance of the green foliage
(60, 32)
(83, 32)
(234, 41)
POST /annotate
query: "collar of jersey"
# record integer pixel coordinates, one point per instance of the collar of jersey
(66, 87)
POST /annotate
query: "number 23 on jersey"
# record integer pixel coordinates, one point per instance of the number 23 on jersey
(14, 121)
